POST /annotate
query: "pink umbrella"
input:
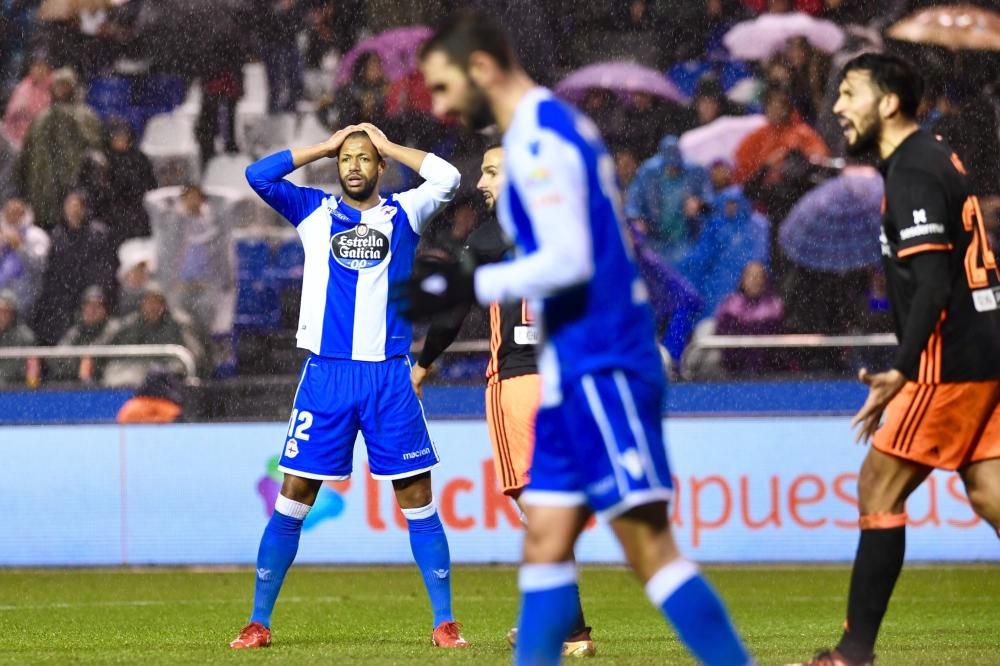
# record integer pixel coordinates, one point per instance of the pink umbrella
(396, 47)
(765, 35)
(619, 77)
(718, 139)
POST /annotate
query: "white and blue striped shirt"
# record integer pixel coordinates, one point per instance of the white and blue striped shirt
(352, 256)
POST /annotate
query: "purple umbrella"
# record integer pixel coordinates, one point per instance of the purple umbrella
(397, 48)
(620, 77)
(835, 226)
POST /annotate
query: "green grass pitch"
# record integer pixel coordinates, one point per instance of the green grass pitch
(940, 615)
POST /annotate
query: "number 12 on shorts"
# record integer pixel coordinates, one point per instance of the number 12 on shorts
(304, 420)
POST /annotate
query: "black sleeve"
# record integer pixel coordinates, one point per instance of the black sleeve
(933, 289)
(918, 207)
(441, 334)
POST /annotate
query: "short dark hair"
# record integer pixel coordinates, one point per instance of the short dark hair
(891, 74)
(466, 32)
(361, 134)
(493, 146)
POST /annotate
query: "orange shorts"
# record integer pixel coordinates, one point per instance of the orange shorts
(946, 426)
(511, 406)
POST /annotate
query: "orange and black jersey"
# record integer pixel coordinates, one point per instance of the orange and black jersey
(944, 285)
(512, 334)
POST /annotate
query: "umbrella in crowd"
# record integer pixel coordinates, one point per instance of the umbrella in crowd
(956, 27)
(619, 77)
(718, 139)
(397, 48)
(766, 35)
(835, 226)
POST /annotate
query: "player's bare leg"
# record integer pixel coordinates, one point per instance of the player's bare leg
(547, 579)
(982, 485)
(676, 587)
(277, 550)
(430, 551)
(579, 642)
(884, 484)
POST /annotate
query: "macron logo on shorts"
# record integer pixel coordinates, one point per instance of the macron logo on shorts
(410, 455)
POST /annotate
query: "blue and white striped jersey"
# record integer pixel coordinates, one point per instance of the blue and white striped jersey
(352, 256)
(562, 205)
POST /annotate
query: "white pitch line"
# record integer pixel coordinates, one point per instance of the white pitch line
(139, 603)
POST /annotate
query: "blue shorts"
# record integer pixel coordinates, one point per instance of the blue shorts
(602, 445)
(335, 399)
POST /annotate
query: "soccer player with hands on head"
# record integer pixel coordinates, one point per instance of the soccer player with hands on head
(357, 376)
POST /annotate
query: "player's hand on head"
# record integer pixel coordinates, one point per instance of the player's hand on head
(336, 140)
(435, 286)
(377, 136)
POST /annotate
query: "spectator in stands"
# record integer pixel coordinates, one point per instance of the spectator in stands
(159, 399)
(626, 166)
(333, 26)
(54, 149)
(81, 255)
(732, 236)
(30, 98)
(24, 250)
(14, 334)
(676, 303)
(364, 99)
(92, 323)
(763, 152)
(221, 89)
(700, 26)
(278, 25)
(131, 176)
(192, 242)
(643, 119)
(752, 309)
(710, 102)
(720, 175)
(136, 266)
(665, 200)
(152, 324)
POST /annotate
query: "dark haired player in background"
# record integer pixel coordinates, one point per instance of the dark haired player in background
(941, 398)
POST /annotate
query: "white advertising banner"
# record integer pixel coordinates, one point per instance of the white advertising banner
(746, 490)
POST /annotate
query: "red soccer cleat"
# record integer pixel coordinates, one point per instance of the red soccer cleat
(254, 635)
(447, 636)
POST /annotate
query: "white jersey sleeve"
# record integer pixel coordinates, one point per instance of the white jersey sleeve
(441, 181)
(548, 178)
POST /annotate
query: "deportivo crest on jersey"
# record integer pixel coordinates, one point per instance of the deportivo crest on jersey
(360, 247)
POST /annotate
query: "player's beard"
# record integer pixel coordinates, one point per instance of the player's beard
(477, 115)
(865, 142)
(362, 192)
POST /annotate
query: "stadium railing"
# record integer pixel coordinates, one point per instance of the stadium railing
(707, 343)
(181, 353)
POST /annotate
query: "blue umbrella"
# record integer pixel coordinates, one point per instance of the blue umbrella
(835, 226)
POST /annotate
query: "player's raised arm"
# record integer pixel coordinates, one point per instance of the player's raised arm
(267, 176)
(552, 182)
(441, 179)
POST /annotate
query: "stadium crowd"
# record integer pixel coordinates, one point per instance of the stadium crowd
(126, 126)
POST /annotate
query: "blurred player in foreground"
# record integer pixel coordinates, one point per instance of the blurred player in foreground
(358, 375)
(941, 398)
(513, 388)
(599, 441)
